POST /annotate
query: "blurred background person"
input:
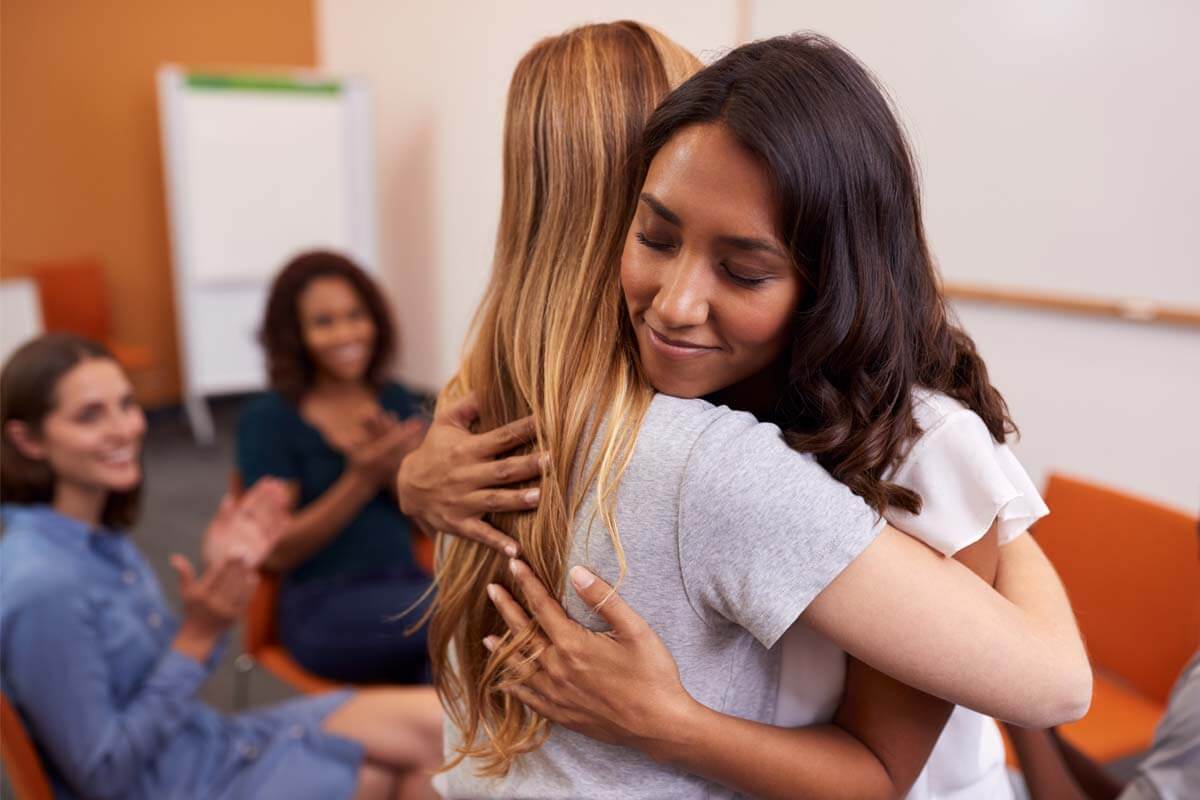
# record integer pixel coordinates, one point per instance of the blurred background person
(334, 429)
(102, 673)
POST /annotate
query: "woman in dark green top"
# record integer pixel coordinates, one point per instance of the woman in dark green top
(336, 430)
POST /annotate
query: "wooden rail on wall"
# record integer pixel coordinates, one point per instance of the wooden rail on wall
(1130, 310)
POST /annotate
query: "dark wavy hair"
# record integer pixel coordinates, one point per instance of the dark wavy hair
(28, 393)
(872, 324)
(290, 368)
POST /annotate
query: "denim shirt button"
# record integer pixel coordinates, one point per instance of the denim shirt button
(155, 619)
(297, 731)
(129, 576)
(247, 751)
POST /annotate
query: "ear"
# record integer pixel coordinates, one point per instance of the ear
(24, 440)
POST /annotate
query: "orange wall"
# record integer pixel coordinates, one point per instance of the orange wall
(80, 167)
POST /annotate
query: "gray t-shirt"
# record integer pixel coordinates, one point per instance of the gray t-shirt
(1171, 770)
(728, 535)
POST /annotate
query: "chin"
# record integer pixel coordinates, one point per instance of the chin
(125, 480)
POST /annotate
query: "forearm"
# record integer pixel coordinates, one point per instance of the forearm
(924, 619)
(319, 522)
(1046, 773)
(772, 762)
(1027, 579)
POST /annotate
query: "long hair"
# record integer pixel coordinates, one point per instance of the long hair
(872, 324)
(28, 393)
(576, 109)
(291, 369)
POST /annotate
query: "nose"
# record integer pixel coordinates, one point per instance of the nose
(128, 425)
(682, 300)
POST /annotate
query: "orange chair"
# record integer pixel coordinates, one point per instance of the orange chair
(74, 299)
(21, 760)
(1132, 571)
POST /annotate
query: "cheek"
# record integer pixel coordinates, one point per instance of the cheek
(763, 322)
(637, 281)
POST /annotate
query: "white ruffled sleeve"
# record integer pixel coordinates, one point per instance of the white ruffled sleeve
(966, 481)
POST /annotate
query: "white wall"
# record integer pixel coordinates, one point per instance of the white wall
(980, 85)
(1057, 152)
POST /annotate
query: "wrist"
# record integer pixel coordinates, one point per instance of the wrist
(197, 639)
(676, 730)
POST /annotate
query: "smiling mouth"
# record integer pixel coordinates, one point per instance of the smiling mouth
(120, 457)
(676, 348)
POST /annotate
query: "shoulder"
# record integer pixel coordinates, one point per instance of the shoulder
(37, 579)
(947, 428)
(966, 479)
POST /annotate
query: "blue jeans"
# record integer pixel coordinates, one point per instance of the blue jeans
(353, 629)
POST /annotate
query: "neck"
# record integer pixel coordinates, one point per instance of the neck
(334, 387)
(79, 502)
(759, 394)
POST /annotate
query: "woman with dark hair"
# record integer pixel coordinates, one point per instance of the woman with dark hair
(334, 428)
(776, 264)
(94, 661)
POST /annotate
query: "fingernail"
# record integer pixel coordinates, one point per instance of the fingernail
(491, 590)
(582, 578)
(533, 495)
(510, 550)
(544, 460)
(513, 565)
(490, 643)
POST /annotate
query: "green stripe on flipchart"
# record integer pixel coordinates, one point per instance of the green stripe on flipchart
(260, 83)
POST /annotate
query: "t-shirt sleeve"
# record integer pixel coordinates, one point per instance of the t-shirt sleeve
(966, 481)
(262, 442)
(763, 529)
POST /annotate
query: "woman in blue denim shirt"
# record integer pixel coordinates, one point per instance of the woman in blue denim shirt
(101, 672)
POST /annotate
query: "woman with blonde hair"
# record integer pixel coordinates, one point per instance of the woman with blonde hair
(731, 535)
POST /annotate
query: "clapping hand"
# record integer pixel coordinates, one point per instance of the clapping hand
(247, 528)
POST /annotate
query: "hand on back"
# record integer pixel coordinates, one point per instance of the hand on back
(453, 479)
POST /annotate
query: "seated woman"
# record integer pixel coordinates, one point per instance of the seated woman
(334, 429)
(103, 675)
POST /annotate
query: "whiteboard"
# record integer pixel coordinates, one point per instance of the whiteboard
(1057, 138)
(258, 169)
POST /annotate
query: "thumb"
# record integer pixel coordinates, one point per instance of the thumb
(462, 412)
(183, 568)
(604, 600)
(227, 507)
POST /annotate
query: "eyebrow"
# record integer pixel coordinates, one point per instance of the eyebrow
(746, 243)
(658, 208)
(752, 245)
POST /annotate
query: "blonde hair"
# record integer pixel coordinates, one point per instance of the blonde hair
(551, 339)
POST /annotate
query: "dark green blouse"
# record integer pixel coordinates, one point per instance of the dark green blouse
(273, 439)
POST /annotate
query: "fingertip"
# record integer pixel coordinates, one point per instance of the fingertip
(490, 642)
(511, 550)
(582, 578)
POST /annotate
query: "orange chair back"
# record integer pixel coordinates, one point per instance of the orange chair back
(1132, 570)
(21, 760)
(74, 298)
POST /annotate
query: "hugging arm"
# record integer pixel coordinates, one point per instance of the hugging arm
(624, 688)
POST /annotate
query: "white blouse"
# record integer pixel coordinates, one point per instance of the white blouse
(967, 482)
